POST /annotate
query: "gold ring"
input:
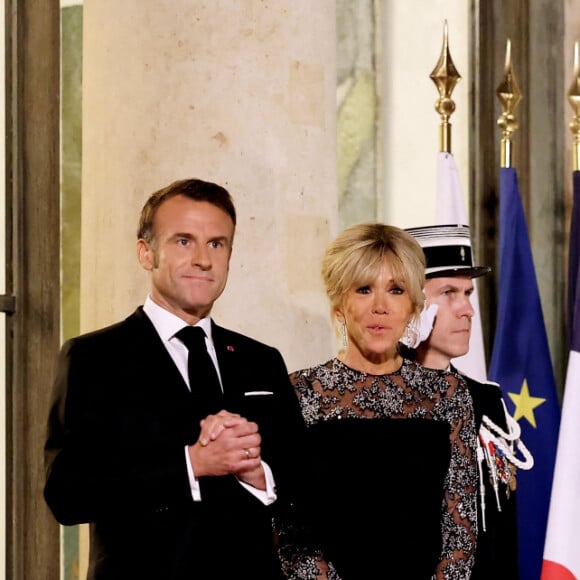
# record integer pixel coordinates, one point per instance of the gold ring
(247, 452)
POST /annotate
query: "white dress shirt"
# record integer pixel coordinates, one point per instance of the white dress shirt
(167, 325)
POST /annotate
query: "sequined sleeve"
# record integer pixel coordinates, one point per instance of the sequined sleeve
(299, 556)
(459, 519)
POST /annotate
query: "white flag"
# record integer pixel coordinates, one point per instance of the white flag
(450, 210)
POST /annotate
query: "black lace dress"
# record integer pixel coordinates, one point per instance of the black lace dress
(392, 491)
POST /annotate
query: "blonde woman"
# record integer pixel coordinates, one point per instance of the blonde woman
(392, 444)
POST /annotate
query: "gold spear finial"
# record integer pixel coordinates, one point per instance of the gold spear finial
(574, 99)
(445, 77)
(509, 96)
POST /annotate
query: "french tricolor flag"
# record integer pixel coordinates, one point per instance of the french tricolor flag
(562, 548)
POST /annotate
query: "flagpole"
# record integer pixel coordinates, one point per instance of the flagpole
(574, 99)
(450, 201)
(509, 95)
(445, 76)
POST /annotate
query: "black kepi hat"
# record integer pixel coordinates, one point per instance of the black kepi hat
(447, 250)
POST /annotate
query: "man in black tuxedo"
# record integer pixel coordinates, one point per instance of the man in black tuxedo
(450, 273)
(175, 484)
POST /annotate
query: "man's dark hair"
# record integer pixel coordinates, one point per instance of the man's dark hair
(195, 189)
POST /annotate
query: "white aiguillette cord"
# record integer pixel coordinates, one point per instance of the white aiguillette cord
(513, 437)
(508, 443)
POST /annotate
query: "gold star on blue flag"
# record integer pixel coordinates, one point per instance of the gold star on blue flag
(525, 404)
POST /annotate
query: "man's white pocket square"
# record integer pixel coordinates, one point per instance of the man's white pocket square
(257, 393)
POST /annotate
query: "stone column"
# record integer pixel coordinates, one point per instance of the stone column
(240, 92)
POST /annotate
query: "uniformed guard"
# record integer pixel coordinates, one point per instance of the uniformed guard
(442, 336)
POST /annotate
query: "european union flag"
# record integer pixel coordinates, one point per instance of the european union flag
(521, 364)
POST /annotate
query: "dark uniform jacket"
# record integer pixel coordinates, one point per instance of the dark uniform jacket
(496, 554)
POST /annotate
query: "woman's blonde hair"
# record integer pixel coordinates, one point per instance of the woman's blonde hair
(355, 257)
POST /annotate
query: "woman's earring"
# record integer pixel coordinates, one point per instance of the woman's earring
(344, 335)
(411, 336)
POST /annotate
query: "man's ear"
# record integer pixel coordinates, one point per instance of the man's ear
(145, 255)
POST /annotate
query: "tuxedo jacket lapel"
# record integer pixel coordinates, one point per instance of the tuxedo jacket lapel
(159, 377)
(150, 352)
(228, 356)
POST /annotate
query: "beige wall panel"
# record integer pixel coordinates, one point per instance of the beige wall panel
(240, 92)
(412, 41)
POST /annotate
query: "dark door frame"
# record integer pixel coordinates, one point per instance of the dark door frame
(32, 86)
